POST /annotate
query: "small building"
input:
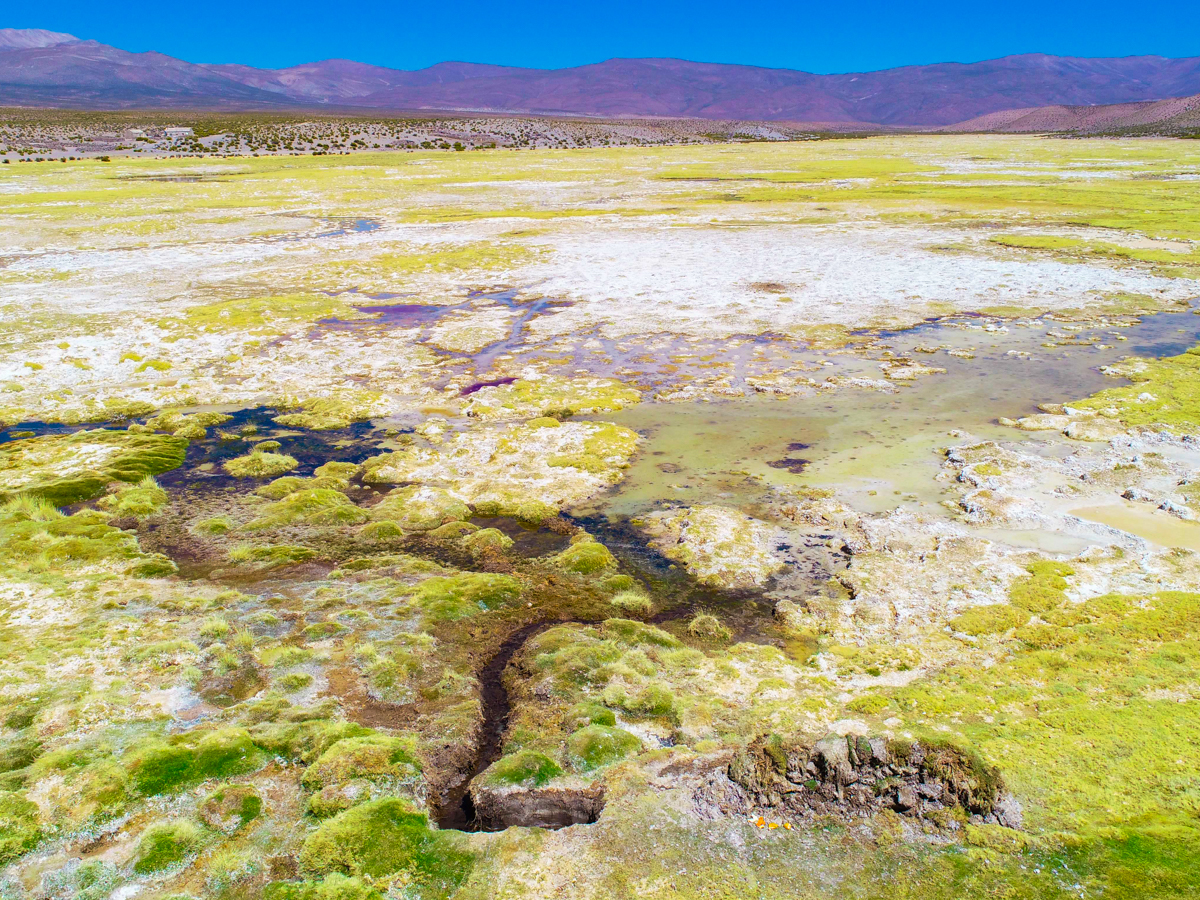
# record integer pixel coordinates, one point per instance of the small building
(132, 133)
(173, 133)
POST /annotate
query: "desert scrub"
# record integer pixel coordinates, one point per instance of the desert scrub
(447, 598)
(586, 556)
(387, 837)
(527, 768)
(260, 464)
(420, 508)
(20, 829)
(165, 765)
(68, 468)
(138, 500)
(165, 845)
(597, 746)
(315, 506)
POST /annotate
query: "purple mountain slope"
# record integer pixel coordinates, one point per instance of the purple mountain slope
(39, 68)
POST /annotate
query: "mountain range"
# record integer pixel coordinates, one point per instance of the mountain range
(49, 69)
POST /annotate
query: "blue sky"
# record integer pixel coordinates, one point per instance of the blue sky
(814, 36)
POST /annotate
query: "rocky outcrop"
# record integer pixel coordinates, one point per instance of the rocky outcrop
(551, 806)
(859, 776)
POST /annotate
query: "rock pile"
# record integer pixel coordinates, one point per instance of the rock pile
(858, 776)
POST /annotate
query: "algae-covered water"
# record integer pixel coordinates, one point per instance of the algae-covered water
(879, 449)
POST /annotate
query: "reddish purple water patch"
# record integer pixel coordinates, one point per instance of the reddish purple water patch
(396, 315)
(480, 385)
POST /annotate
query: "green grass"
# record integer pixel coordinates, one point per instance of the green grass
(385, 837)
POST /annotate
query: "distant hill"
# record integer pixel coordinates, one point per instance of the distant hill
(1177, 115)
(39, 68)
(27, 38)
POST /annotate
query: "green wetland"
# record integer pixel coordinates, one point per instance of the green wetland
(801, 519)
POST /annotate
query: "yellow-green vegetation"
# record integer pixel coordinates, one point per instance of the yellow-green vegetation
(138, 500)
(274, 704)
(452, 597)
(37, 539)
(1165, 392)
(64, 469)
(586, 556)
(420, 508)
(388, 837)
(313, 506)
(1036, 594)
(1090, 719)
(1170, 262)
(254, 315)
(332, 413)
(165, 845)
(550, 397)
(20, 828)
(260, 464)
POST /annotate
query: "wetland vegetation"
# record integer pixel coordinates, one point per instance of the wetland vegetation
(771, 519)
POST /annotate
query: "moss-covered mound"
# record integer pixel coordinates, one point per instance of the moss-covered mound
(466, 594)
(260, 464)
(385, 837)
(314, 506)
(597, 746)
(528, 768)
(19, 827)
(68, 468)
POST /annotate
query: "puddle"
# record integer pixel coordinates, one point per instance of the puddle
(395, 315)
(880, 450)
(480, 385)
(182, 179)
(1154, 525)
(342, 225)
